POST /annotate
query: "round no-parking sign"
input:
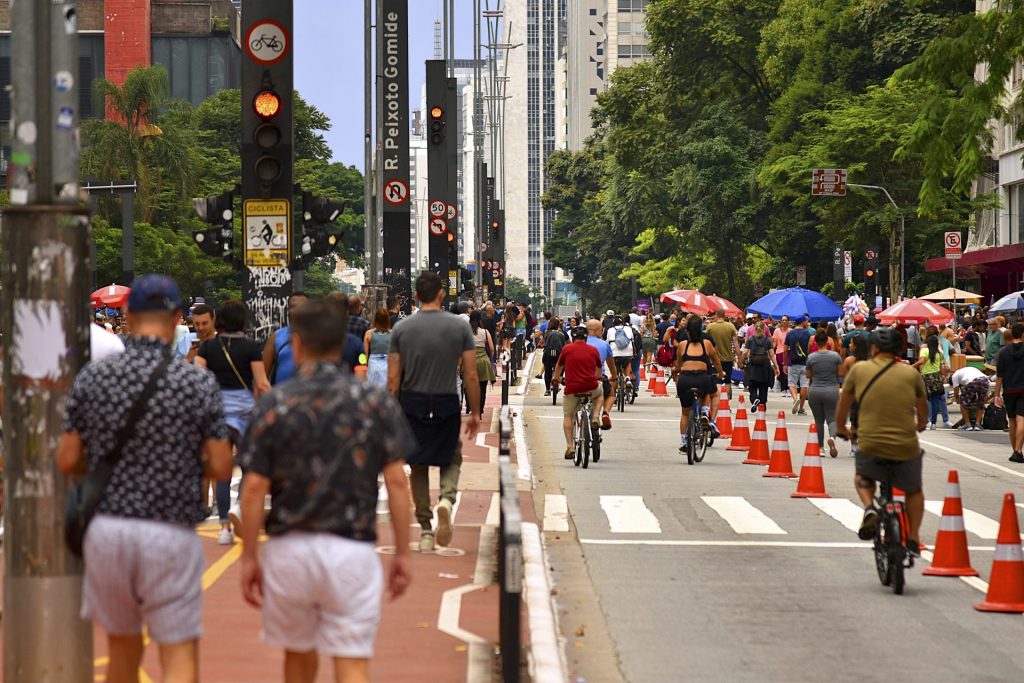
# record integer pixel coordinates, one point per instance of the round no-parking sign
(438, 226)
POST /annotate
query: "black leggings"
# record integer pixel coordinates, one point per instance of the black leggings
(549, 369)
(758, 392)
(483, 396)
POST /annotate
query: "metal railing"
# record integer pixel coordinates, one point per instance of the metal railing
(510, 555)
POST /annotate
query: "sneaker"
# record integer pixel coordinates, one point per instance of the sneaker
(796, 405)
(715, 434)
(225, 537)
(235, 517)
(682, 445)
(931, 425)
(570, 453)
(426, 541)
(754, 404)
(1017, 457)
(965, 428)
(444, 522)
(606, 421)
(832, 450)
(868, 524)
(913, 548)
(547, 392)
(946, 425)
(801, 412)
(979, 428)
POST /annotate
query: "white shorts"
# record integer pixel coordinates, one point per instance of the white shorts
(143, 571)
(321, 592)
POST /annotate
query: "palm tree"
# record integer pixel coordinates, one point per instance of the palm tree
(129, 145)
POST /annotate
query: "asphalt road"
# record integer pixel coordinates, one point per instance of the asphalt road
(713, 573)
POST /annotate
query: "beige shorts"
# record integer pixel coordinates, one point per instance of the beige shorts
(570, 403)
(321, 592)
(139, 571)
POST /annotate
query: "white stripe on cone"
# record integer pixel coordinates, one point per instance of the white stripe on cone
(1008, 552)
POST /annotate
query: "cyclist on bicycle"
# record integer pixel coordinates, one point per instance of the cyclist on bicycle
(620, 336)
(581, 363)
(696, 358)
(595, 339)
(886, 428)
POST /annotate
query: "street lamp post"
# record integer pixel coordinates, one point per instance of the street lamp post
(903, 247)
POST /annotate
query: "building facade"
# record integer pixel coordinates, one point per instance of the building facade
(195, 40)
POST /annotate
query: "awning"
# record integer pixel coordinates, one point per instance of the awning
(991, 261)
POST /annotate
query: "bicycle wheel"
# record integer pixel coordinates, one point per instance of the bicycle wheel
(632, 393)
(702, 444)
(620, 396)
(595, 444)
(691, 439)
(577, 434)
(882, 559)
(895, 554)
(586, 443)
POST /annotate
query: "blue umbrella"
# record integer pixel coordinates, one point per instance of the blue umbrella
(1010, 303)
(795, 302)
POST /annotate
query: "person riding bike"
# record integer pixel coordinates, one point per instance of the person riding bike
(595, 339)
(696, 357)
(620, 336)
(581, 363)
(886, 427)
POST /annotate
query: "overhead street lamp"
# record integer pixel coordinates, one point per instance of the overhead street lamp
(903, 241)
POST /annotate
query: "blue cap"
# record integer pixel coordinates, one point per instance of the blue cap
(154, 293)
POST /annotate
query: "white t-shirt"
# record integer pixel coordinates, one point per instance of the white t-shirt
(103, 343)
(616, 351)
(636, 320)
(965, 376)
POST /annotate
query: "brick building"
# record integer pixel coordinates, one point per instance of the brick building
(197, 41)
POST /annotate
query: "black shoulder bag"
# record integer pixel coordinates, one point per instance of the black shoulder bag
(83, 498)
(855, 408)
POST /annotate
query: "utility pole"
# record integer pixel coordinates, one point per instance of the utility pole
(371, 236)
(45, 318)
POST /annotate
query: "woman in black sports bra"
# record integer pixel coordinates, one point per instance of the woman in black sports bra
(694, 371)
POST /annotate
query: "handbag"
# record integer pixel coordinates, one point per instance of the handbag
(83, 498)
(238, 376)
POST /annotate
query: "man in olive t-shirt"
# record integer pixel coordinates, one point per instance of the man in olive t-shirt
(890, 413)
(723, 333)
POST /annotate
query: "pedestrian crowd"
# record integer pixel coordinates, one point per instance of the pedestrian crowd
(313, 421)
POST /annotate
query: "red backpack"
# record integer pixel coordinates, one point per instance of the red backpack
(666, 355)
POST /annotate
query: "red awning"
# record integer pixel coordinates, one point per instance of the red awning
(994, 260)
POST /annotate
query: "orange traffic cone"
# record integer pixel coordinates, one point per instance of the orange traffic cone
(740, 431)
(724, 418)
(758, 453)
(659, 387)
(812, 480)
(951, 555)
(780, 464)
(651, 378)
(1006, 584)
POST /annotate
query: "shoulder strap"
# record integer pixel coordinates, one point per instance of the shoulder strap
(135, 413)
(238, 376)
(873, 380)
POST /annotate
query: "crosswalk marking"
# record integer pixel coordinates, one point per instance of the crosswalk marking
(977, 524)
(743, 517)
(629, 515)
(556, 513)
(844, 511)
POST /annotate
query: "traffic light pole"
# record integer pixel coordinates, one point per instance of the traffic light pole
(903, 250)
(45, 318)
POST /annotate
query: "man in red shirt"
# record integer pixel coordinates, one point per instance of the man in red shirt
(582, 365)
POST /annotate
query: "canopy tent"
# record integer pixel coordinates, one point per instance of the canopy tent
(953, 294)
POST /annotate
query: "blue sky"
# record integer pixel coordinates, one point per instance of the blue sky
(329, 61)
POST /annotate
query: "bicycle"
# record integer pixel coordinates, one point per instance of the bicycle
(270, 42)
(698, 431)
(890, 543)
(583, 434)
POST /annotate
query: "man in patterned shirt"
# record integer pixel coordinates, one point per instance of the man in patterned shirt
(316, 444)
(143, 562)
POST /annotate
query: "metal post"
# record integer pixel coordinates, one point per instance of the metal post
(903, 248)
(45, 316)
(954, 296)
(128, 237)
(369, 217)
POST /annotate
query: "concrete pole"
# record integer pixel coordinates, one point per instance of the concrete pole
(478, 150)
(128, 237)
(45, 316)
(369, 217)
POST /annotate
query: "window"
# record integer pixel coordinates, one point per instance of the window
(593, 91)
(633, 5)
(633, 52)
(593, 12)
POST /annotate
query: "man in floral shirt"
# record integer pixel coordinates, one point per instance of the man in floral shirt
(316, 444)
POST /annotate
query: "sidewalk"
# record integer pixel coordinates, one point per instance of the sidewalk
(445, 629)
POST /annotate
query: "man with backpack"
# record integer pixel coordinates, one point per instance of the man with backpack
(277, 352)
(553, 343)
(620, 336)
(797, 347)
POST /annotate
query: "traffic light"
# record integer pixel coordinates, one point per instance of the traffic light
(218, 211)
(267, 97)
(871, 277)
(439, 252)
(319, 236)
(437, 125)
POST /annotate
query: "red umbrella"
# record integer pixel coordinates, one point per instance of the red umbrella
(113, 296)
(915, 312)
(693, 301)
